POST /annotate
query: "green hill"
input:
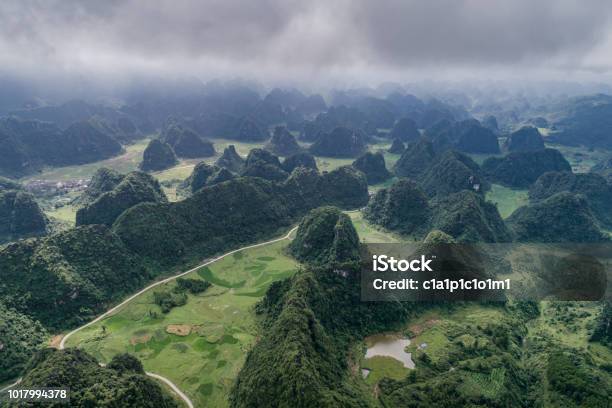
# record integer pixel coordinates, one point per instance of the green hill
(70, 277)
(403, 207)
(206, 175)
(467, 136)
(451, 172)
(20, 215)
(249, 131)
(584, 120)
(326, 236)
(594, 186)
(122, 383)
(467, 217)
(340, 142)
(527, 138)
(415, 159)
(103, 180)
(135, 188)
(262, 163)
(373, 166)
(186, 143)
(563, 217)
(520, 169)
(230, 160)
(405, 130)
(302, 159)
(282, 143)
(158, 156)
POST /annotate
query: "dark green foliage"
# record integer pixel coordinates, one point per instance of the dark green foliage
(158, 156)
(467, 136)
(27, 145)
(262, 163)
(20, 215)
(69, 277)
(219, 176)
(326, 236)
(230, 160)
(527, 138)
(135, 188)
(126, 363)
(103, 180)
(403, 207)
(20, 337)
(405, 130)
(186, 143)
(238, 211)
(84, 143)
(467, 217)
(340, 142)
(194, 286)
(563, 217)
(452, 172)
(520, 169)
(249, 131)
(200, 174)
(166, 300)
(592, 185)
(344, 187)
(282, 143)
(415, 159)
(373, 166)
(397, 147)
(603, 329)
(302, 159)
(91, 385)
(573, 384)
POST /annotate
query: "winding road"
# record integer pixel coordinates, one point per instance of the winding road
(110, 311)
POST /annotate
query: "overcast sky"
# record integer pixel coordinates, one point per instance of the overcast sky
(371, 40)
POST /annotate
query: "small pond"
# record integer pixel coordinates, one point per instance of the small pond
(389, 345)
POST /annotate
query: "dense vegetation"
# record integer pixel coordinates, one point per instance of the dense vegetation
(103, 180)
(206, 175)
(451, 172)
(122, 383)
(415, 159)
(69, 277)
(135, 188)
(403, 207)
(466, 136)
(282, 142)
(20, 337)
(302, 159)
(340, 142)
(230, 160)
(158, 156)
(527, 138)
(262, 163)
(20, 215)
(238, 211)
(520, 169)
(405, 130)
(592, 185)
(373, 166)
(186, 143)
(585, 121)
(326, 236)
(563, 217)
(27, 145)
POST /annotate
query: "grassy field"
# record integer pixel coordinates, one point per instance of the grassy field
(369, 233)
(200, 346)
(507, 199)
